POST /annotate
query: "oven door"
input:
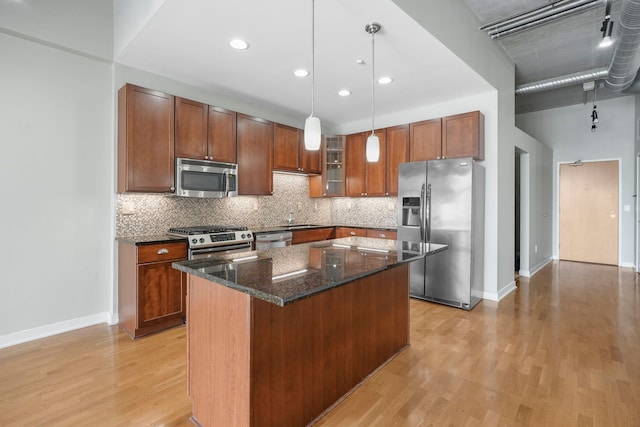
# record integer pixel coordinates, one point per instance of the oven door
(200, 178)
(218, 250)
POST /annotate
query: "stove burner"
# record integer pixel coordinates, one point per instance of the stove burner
(204, 229)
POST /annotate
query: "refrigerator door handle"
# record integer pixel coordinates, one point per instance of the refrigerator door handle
(421, 213)
(428, 222)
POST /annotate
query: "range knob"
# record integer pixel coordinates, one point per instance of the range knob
(202, 240)
(248, 235)
(243, 236)
(194, 241)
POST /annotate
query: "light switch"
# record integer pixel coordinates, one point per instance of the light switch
(128, 208)
(627, 208)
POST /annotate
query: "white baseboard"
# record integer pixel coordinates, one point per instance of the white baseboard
(56, 328)
(493, 296)
(530, 273)
(627, 264)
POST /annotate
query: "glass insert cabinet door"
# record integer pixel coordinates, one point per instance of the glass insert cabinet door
(334, 158)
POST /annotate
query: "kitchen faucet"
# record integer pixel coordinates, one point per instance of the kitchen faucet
(290, 219)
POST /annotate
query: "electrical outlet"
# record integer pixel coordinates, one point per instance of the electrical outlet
(299, 206)
(535, 248)
(349, 205)
(316, 205)
(128, 208)
(255, 205)
(391, 206)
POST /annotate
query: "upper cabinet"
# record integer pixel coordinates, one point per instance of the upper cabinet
(145, 140)
(463, 136)
(397, 152)
(426, 140)
(365, 178)
(331, 183)
(460, 135)
(255, 155)
(289, 153)
(204, 131)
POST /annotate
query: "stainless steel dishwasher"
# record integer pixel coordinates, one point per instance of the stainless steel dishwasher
(273, 240)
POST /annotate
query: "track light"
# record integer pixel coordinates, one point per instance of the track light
(607, 27)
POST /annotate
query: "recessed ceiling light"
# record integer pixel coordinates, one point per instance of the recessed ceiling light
(344, 92)
(385, 80)
(238, 44)
(301, 73)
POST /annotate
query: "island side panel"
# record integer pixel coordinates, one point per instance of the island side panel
(218, 333)
(307, 355)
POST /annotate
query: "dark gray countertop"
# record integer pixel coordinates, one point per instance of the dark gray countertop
(150, 239)
(284, 275)
(298, 227)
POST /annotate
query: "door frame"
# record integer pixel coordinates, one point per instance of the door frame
(557, 213)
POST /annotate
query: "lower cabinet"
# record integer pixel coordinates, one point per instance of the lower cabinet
(313, 235)
(151, 293)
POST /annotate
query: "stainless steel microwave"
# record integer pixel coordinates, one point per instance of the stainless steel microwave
(202, 178)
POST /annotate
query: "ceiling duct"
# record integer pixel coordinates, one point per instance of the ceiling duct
(624, 63)
(539, 16)
(566, 80)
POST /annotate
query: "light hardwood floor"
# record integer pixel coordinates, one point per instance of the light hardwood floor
(562, 350)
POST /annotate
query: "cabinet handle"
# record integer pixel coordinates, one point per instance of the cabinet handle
(382, 235)
(163, 251)
(438, 158)
(173, 188)
(353, 233)
(206, 157)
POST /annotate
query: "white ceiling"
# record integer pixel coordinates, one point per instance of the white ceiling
(187, 40)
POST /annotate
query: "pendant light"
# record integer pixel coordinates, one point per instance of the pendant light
(373, 142)
(312, 131)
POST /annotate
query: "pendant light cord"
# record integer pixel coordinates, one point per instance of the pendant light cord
(313, 53)
(373, 79)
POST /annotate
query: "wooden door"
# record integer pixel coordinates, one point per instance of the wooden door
(397, 152)
(375, 172)
(425, 140)
(463, 136)
(191, 129)
(221, 138)
(310, 161)
(255, 156)
(355, 146)
(160, 293)
(588, 225)
(286, 141)
(145, 140)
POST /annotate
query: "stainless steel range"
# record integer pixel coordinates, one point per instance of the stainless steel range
(209, 240)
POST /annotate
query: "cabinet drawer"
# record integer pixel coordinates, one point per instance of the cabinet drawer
(382, 234)
(162, 252)
(350, 232)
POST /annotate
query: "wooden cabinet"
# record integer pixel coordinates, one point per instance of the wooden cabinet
(313, 235)
(255, 155)
(350, 232)
(289, 153)
(425, 140)
(397, 152)
(460, 135)
(364, 178)
(331, 183)
(145, 140)
(463, 136)
(382, 234)
(151, 294)
(204, 131)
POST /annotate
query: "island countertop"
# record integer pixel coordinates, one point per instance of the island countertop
(284, 275)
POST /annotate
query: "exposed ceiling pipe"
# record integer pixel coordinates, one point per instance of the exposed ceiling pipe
(624, 63)
(566, 80)
(539, 16)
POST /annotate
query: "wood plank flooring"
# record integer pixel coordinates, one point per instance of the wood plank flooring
(561, 350)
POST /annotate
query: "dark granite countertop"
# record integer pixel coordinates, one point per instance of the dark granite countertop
(298, 227)
(150, 239)
(284, 275)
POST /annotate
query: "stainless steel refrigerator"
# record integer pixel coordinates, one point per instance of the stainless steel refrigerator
(442, 201)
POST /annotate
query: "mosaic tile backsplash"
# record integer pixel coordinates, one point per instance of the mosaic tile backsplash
(155, 214)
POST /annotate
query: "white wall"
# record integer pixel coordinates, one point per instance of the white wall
(568, 131)
(57, 169)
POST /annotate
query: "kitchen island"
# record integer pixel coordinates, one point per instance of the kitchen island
(276, 337)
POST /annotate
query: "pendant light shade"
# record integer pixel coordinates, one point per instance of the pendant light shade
(312, 133)
(373, 148)
(312, 129)
(373, 142)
